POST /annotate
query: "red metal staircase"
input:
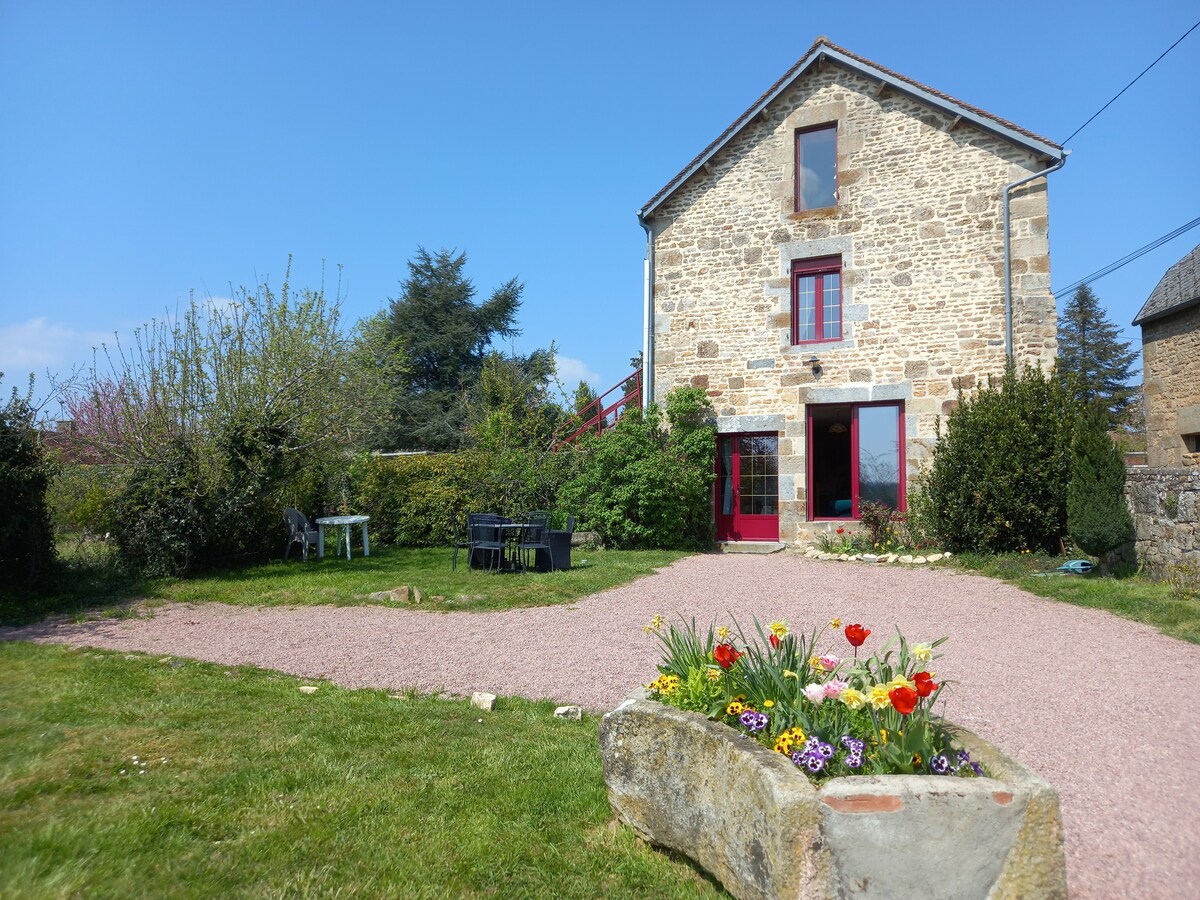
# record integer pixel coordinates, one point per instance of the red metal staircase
(603, 412)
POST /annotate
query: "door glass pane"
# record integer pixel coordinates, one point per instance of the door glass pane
(879, 454)
(758, 486)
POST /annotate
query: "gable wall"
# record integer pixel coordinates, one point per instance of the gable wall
(919, 230)
(1170, 349)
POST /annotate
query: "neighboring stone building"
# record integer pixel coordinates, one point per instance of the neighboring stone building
(1170, 322)
(1165, 495)
(831, 317)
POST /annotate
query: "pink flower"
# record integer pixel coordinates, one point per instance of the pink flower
(829, 663)
(815, 693)
(834, 688)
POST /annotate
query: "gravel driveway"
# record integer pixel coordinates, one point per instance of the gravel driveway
(1105, 709)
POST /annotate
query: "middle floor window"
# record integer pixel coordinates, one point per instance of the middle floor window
(817, 300)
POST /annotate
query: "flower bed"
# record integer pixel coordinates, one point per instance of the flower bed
(790, 771)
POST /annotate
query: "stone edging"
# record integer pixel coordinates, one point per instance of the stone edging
(907, 558)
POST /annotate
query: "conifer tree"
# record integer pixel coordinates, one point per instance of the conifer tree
(1094, 364)
(1098, 519)
(445, 337)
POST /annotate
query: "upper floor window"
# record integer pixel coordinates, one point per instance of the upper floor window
(816, 168)
(817, 300)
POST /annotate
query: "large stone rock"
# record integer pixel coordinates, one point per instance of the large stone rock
(749, 817)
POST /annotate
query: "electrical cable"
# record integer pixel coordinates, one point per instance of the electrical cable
(1131, 84)
(1112, 267)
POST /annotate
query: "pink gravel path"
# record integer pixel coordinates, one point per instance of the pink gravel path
(1106, 709)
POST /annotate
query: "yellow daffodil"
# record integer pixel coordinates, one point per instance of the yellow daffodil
(788, 673)
(878, 696)
(722, 633)
(921, 652)
(655, 624)
(835, 623)
(713, 674)
(853, 698)
(779, 629)
(814, 662)
(900, 681)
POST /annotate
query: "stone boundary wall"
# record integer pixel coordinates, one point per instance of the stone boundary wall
(1166, 513)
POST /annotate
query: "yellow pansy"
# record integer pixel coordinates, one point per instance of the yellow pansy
(767, 704)
(735, 708)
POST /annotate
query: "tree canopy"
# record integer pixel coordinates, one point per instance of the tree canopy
(1092, 362)
(445, 337)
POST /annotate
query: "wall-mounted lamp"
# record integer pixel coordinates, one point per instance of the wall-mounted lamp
(815, 365)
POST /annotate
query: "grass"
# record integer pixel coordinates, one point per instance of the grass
(1132, 597)
(334, 581)
(244, 786)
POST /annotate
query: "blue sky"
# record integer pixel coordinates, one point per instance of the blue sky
(150, 149)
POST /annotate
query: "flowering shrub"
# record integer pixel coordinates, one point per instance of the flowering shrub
(830, 715)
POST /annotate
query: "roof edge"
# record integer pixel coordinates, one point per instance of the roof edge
(824, 48)
(1163, 313)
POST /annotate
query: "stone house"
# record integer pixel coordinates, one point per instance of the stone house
(1170, 322)
(831, 315)
(1164, 495)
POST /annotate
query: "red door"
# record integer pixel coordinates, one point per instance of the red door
(747, 501)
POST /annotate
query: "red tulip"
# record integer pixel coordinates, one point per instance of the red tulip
(774, 639)
(856, 634)
(904, 699)
(841, 531)
(925, 684)
(725, 655)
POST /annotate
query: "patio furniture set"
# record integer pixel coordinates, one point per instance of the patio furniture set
(302, 531)
(527, 543)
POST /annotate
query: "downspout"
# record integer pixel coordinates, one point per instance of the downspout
(647, 316)
(1008, 308)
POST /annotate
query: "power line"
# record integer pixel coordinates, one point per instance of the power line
(1141, 251)
(1131, 84)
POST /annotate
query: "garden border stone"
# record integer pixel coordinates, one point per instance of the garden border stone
(747, 816)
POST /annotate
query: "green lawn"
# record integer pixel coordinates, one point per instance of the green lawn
(339, 582)
(244, 786)
(1132, 597)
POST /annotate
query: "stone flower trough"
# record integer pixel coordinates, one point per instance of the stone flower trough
(751, 819)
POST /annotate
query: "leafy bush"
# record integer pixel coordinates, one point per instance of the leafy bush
(26, 537)
(1097, 516)
(645, 487)
(224, 417)
(1000, 470)
(423, 500)
(81, 497)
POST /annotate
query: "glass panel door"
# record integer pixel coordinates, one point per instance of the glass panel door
(879, 455)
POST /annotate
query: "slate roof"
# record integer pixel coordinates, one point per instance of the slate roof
(823, 48)
(1178, 289)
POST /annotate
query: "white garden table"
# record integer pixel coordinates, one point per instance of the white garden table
(345, 522)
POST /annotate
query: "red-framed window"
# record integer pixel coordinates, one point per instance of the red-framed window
(817, 300)
(855, 452)
(816, 168)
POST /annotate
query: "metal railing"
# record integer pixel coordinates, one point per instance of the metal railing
(603, 412)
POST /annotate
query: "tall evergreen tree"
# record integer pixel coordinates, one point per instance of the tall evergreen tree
(1092, 361)
(1098, 519)
(445, 337)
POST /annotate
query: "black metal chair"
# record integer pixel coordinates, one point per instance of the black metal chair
(535, 536)
(300, 531)
(485, 539)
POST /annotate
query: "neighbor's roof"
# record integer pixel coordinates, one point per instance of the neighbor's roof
(824, 49)
(1178, 289)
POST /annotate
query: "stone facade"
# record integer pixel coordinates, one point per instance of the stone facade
(918, 228)
(1170, 350)
(1166, 513)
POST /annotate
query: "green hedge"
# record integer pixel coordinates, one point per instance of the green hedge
(423, 501)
